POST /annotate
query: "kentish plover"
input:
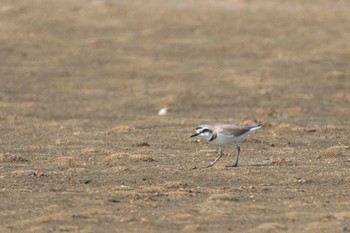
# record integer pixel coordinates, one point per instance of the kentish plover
(223, 135)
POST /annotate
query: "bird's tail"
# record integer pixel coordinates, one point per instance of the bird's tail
(253, 128)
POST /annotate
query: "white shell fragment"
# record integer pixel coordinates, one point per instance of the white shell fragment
(163, 112)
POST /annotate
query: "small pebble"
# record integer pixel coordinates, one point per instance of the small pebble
(163, 112)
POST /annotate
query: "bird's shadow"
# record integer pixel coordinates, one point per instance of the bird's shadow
(259, 165)
(240, 166)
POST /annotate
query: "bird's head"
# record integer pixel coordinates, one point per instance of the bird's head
(204, 132)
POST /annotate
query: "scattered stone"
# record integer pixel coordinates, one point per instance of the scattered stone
(163, 112)
(114, 200)
(141, 144)
(85, 181)
(38, 173)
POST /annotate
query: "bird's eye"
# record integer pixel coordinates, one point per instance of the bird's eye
(205, 130)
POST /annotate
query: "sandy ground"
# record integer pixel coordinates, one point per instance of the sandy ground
(82, 148)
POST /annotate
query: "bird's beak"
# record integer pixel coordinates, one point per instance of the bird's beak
(193, 135)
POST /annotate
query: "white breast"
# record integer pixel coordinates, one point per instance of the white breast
(205, 136)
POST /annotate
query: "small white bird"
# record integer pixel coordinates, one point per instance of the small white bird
(224, 134)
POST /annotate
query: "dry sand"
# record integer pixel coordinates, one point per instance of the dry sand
(82, 146)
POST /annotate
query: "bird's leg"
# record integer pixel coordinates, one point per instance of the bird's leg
(217, 159)
(236, 163)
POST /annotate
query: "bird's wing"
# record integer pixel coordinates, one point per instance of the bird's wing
(234, 130)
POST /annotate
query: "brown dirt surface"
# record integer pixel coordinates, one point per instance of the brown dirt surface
(82, 146)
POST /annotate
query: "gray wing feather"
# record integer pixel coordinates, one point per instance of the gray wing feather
(234, 130)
